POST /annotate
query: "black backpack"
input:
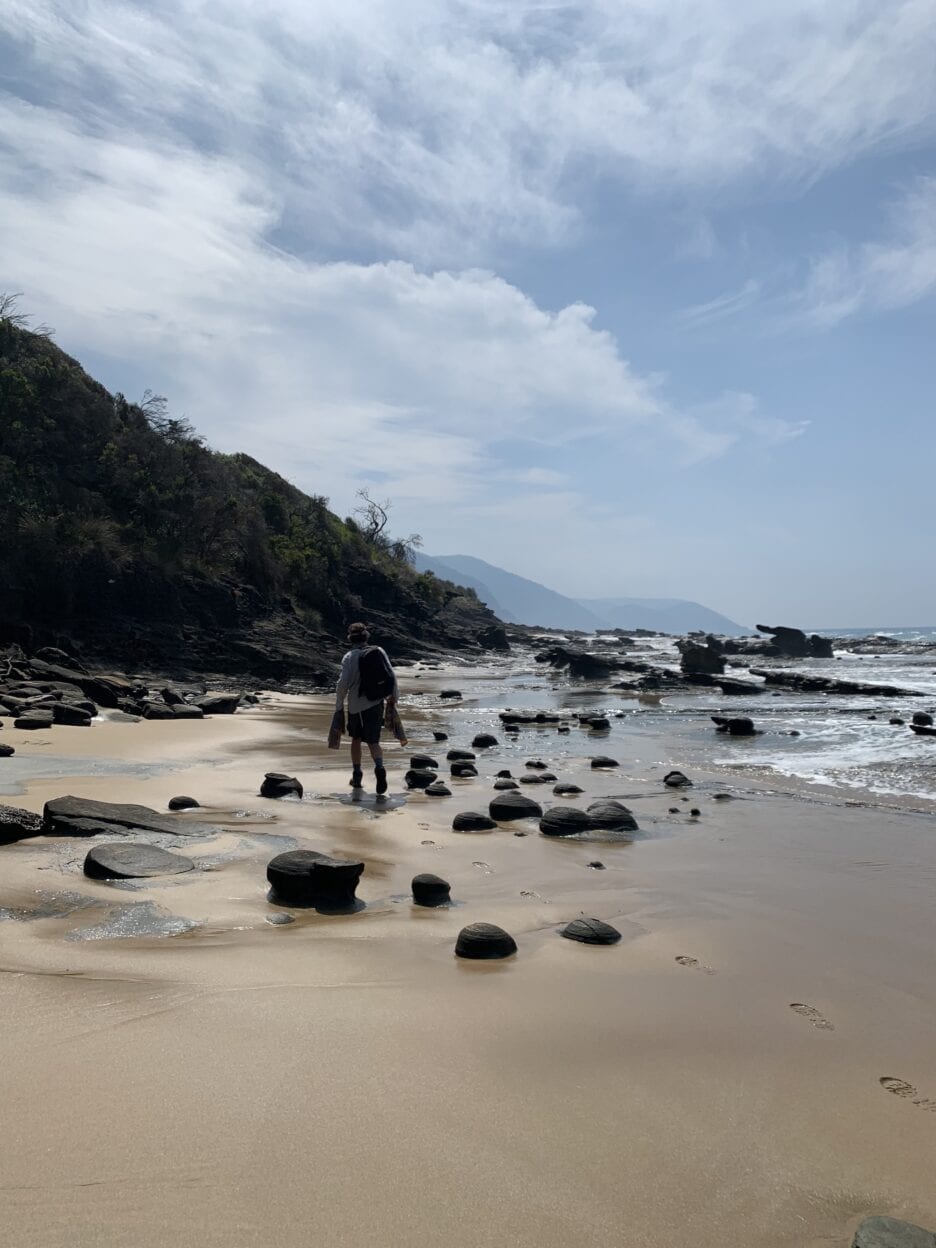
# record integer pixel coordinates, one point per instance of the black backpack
(375, 676)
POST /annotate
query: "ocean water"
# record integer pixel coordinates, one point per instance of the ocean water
(847, 743)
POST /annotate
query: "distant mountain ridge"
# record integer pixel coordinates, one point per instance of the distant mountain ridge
(518, 600)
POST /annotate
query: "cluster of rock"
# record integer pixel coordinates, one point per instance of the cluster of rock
(52, 688)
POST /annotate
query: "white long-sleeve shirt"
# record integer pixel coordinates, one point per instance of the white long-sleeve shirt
(349, 682)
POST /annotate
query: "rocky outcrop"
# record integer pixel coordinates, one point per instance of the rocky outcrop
(17, 824)
(705, 659)
(82, 816)
(805, 683)
(892, 1233)
(579, 663)
(792, 643)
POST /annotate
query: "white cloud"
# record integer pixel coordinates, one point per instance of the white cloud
(440, 130)
(879, 275)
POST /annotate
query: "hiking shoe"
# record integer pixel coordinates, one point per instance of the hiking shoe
(380, 774)
(357, 779)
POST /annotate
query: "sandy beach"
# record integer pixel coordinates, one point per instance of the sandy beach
(176, 1069)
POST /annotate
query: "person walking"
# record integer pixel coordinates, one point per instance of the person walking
(367, 680)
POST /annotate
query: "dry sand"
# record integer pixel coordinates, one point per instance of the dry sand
(346, 1080)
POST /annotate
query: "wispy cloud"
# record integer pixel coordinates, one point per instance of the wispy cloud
(722, 306)
(880, 275)
(439, 130)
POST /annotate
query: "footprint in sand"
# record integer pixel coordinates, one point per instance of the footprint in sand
(483, 867)
(900, 1087)
(695, 964)
(809, 1012)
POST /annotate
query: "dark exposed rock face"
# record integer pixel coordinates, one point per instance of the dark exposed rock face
(430, 890)
(507, 806)
(17, 824)
(471, 821)
(705, 659)
(278, 784)
(792, 643)
(738, 727)
(80, 816)
(117, 860)
(804, 683)
(484, 941)
(302, 877)
(591, 932)
(580, 663)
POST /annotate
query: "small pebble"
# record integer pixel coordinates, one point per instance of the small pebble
(520, 834)
(597, 866)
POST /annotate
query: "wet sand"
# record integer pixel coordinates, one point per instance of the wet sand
(343, 1078)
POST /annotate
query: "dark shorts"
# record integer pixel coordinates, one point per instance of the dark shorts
(365, 725)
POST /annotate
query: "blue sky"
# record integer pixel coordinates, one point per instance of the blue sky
(632, 298)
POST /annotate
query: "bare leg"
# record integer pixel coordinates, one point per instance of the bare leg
(356, 753)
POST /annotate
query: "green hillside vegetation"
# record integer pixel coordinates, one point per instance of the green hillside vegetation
(117, 520)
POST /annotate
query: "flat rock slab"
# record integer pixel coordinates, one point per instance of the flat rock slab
(591, 932)
(892, 1233)
(122, 860)
(484, 941)
(302, 877)
(17, 824)
(60, 811)
(471, 821)
(508, 806)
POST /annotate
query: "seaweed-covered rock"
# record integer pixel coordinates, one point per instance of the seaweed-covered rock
(119, 860)
(507, 806)
(484, 941)
(277, 784)
(471, 821)
(430, 890)
(591, 932)
(302, 877)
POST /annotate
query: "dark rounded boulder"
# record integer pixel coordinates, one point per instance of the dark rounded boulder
(431, 890)
(438, 789)
(533, 778)
(471, 821)
(450, 693)
(423, 762)
(183, 803)
(676, 780)
(463, 770)
(563, 728)
(419, 778)
(739, 726)
(922, 718)
(600, 761)
(536, 764)
(504, 786)
(440, 736)
(591, 932)
(187, 712)
(566, 789)
(505, 774)
(599, 724)
(611, 816)
(6, 751)
(460, 756)
(278, 784)
(130, 860)
(564, 821)
(68, 713)
(157, 710)
(219, 703)
(302, 877)
(484, 941)
(483, 741)
(508, 806)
